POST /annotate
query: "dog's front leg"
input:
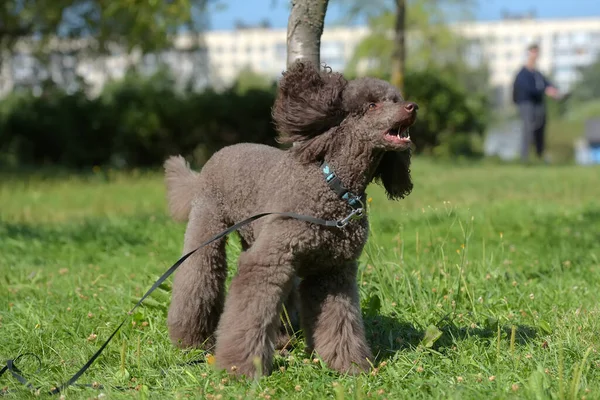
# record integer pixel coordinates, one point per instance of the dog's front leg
(332, 320)
(250, 321)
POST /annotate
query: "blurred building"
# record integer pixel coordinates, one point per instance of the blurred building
(264, 50)
(566, 45)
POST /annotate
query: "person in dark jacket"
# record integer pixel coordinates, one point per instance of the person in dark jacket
(529, 89)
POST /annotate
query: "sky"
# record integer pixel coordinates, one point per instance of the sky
(223, 17)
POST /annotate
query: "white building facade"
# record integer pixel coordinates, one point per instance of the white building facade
(566, 45)
(264, 50)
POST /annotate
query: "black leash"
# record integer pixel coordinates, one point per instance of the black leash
(11, 367)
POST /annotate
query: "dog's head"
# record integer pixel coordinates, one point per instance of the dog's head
(317, 110)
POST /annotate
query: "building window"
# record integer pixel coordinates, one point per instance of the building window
(564, 38)
(332, 49)
(580, 38)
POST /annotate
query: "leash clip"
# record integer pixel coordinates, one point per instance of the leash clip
(356, 213)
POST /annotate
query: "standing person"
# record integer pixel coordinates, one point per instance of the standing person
(529, 89)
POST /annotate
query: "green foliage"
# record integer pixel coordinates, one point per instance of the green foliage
(429, 40)
(474, 251)
(588, 86)
(56, 128)
(584, 102)
(136, 121)
(376, 49)
(146, 25)
(139, 120)
(248, 80)
(436, 10)
(447, 112)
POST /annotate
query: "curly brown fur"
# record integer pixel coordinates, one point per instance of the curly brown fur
(309, 103)
(359, 128)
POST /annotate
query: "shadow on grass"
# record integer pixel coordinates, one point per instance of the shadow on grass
(98, 231)
(388, 335)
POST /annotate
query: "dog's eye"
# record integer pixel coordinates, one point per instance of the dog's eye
(372, 106)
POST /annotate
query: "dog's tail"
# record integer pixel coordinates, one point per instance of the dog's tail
(180, 180)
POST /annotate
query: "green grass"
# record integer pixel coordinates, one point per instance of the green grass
(502, 261)
(561, 137)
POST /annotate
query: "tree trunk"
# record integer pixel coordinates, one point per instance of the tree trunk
(305, 27)
(399, 56)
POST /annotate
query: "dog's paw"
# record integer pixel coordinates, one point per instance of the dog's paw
(346, 366)
(249, 370)
(357, 369)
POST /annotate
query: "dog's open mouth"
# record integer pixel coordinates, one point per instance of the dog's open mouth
(398, 134)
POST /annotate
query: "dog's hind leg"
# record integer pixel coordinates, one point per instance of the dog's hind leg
(332, 320)
(199, 284)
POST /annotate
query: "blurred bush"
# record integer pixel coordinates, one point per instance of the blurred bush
(584, 111)
(449, 116)
(587, 87)
(137, 121)
(584, 102)
(140, 120)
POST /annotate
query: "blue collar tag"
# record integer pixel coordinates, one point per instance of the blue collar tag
(354, 201)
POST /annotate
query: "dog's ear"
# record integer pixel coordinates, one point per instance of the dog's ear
(394, 173)
(309, 102)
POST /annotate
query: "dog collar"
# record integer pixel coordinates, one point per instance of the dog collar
(354, 201)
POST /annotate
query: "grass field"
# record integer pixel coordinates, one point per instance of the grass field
(502, 261)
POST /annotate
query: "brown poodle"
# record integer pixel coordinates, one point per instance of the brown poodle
(359, 128)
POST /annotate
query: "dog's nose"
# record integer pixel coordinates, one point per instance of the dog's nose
(411, 107)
